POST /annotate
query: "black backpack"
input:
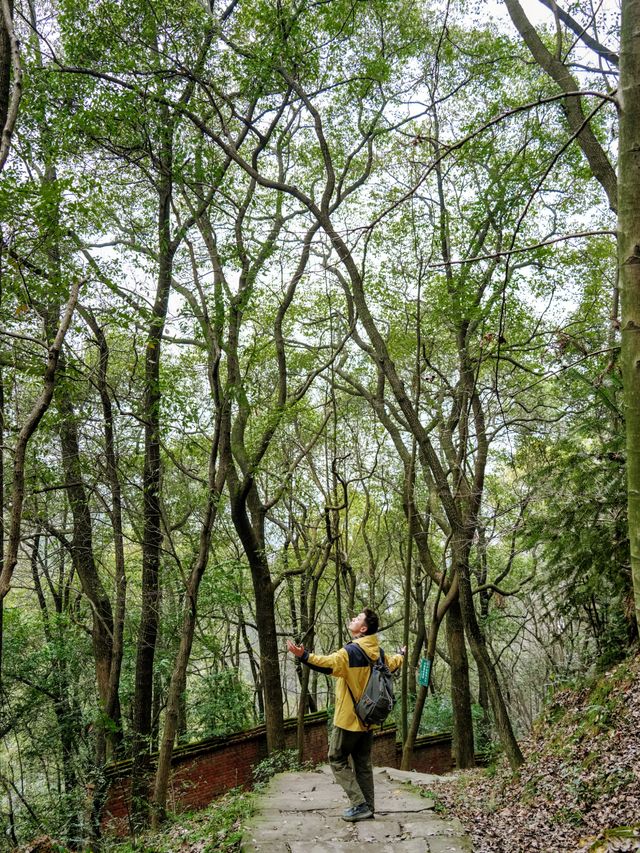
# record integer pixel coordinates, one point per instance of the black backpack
(377, 700)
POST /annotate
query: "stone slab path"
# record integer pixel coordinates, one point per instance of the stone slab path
(301, 813)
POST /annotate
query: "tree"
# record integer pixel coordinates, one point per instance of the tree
(629, 266)
(345, 343)
(604, 173)
(10, 79)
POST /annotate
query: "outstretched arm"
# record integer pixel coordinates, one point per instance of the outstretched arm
(336, 664)
(394, 662)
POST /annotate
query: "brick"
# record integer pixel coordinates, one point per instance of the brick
(203, 771)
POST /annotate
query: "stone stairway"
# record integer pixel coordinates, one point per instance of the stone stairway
(301, 813)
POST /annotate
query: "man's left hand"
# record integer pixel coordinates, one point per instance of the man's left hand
(298, 651)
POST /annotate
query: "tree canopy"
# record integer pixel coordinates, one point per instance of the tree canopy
(307, 306)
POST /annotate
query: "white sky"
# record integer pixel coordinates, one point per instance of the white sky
(539, 14)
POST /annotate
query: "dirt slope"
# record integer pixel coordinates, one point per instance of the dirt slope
(580, 783)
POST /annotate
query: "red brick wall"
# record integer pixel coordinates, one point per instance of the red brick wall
(431, 754)
(383, 752)
(204, 770)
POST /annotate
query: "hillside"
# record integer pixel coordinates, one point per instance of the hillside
(579, 788)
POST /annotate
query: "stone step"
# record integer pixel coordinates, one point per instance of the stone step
(302, 813)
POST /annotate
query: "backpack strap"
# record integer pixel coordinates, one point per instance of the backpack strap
(350, 647)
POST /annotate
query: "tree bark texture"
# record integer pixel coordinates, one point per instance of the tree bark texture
(82, 542)
(10, 79)
(2, 440)
(5, 67)
(463, 740)
(251, 535)
(629, 266)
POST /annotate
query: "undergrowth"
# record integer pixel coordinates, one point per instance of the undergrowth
(579, 788)
(219, 827)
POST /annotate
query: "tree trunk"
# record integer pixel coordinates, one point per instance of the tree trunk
(152, 532)
(10, 79)
(2, 431)
(439, 612)
(308, 602)
(252, 538)
(416, 654)
(82, 541)
(179, 674)
(562, 76)
(112, 704)
(109, 740)
(28, 428)
(483, 660)
(483, 697)
(409, 506)
(463, 743)
(269, 659)
(629, 266)
(5, 69)
(304, 692)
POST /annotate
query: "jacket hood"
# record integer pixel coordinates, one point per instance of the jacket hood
(369, 644)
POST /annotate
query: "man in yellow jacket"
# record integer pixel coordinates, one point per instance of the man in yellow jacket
(351, 738)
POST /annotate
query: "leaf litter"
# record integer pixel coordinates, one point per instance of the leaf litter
(579, 788)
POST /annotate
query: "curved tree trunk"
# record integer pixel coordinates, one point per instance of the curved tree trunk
(559, 72)
(28, 428)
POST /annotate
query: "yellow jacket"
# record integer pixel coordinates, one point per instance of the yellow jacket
(350, 668)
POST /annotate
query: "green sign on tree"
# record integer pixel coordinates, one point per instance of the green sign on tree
(425, 672)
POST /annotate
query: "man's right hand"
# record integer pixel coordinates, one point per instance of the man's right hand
(298, 651)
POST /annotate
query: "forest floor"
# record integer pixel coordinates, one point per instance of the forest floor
(579, 788)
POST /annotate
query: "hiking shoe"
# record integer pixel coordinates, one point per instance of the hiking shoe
(361, 812)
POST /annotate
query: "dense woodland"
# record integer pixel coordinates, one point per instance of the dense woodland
(305, 306)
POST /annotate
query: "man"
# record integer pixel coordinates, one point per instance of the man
(351, 738)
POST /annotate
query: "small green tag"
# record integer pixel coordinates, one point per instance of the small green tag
(424, 673)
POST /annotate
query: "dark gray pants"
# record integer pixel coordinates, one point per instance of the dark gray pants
(350, 760)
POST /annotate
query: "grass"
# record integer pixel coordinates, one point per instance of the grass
(427, 794)
(219, 827)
